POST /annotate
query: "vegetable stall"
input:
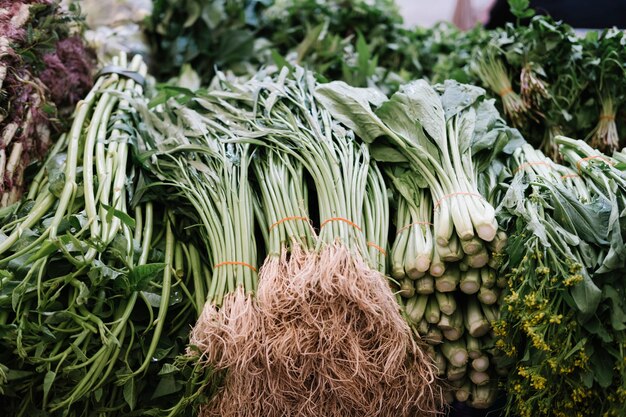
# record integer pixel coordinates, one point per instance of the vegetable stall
(299, 208)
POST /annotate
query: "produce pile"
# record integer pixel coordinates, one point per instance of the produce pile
(427, 217)
(44, 71)
(546, 79)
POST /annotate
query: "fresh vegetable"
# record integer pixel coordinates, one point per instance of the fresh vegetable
(44, 71)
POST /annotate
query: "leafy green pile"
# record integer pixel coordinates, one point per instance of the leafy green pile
(96, 282)
(344, 39)
(546, 79)
(564, 317)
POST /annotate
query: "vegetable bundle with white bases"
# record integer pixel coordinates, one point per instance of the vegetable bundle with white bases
(447, 242)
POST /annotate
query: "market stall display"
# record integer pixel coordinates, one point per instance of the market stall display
(310, 211)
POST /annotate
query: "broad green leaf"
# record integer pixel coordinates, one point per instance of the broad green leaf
(168, 368)
(382, 152)
(423, 107)
(457, 97)
(589, 221)
(586, 295)
(167, 385)
(351, 106)
(618, 316)
(409, 133)
(602, 365)
(140, 276)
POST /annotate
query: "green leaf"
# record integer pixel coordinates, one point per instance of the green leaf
(586, 295)
(383, 152)
(457, 97)
(83, 293)
(130, 393)
(123, 217)
(602, 365)
(618, 316)
(168, 368)
(46, 249)
(167, 385)
(351, 106)
(414, 107)
(521, 8)
(48, 380)
(140, 276)
(363, 57)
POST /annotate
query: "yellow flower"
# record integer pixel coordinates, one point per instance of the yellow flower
(556, 319)
(538, 382)
(572, 280)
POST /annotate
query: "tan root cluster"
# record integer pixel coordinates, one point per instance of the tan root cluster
(322, 337)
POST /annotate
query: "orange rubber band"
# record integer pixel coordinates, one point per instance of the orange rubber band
(607, 117)
(235, 263)
(375, 246)
(287, 219)
(527, 164)
(589, 158)
(563, 177)
(340, 219)
(505, 91)
(408, 226)
(445, 197)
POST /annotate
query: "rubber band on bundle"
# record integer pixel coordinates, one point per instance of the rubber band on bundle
(408, 226)
(340, 219)
(505, 91)
(235, 263)
(566, 176)
(286, 219)
(378, 248)
(589, 158)
(607, 117)
(525, 164)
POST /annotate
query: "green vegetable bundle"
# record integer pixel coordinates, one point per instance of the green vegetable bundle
(563, 317)
(43, 67)
(428, 268)
(95, 290)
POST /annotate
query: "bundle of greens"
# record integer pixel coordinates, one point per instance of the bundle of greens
(451, 291)
(94, 297)
(42, 67)
(605, 67)
(563, 317)
(321, 297)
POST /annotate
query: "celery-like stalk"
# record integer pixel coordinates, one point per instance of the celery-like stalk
(432, 313)
(425, 285)
(449, 280)
(456, 373)
(455, 352)
(487, 296)
(481, 363)
(475, 322)
(446, 301)
(479, 378)
(470, 281)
